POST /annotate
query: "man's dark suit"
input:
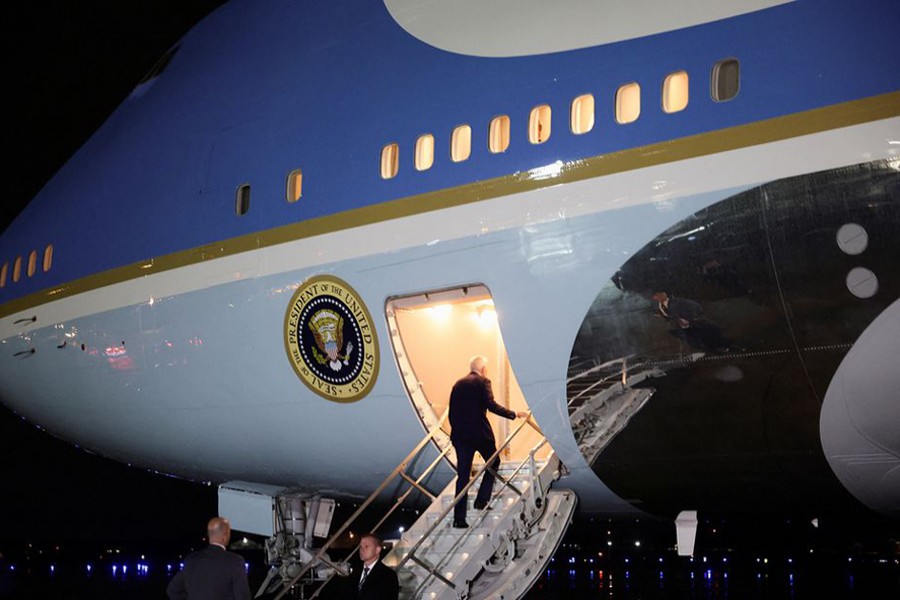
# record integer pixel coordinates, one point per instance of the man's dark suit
(380, 584)
(211, 574)
(471, 432)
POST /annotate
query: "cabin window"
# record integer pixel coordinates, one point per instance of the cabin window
(48, 257)
(17, 269)
(461, 143)
(498, 134)
(242, 199)
(675, 92)
(295, 185)
(539, 124)
(32, 263)
(628, 103)
(582, 117)
(424, 152)
(3, 273)
(390, 161)
(725, 80)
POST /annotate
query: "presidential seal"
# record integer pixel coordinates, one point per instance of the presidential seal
(330, 339)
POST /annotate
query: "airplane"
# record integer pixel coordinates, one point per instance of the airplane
(671, 231)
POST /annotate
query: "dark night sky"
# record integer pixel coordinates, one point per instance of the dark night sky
(66, 66)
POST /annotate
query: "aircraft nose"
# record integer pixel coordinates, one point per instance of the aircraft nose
(860, 421)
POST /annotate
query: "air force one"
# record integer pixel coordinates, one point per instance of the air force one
(672, 228)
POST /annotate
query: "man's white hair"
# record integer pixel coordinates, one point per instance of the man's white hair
(477, 363)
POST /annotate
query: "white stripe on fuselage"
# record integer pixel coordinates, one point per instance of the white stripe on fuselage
(470, 26)
(661, 185)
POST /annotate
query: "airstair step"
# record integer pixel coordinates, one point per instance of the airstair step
(467, 558)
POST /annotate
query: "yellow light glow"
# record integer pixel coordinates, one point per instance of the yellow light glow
(487, 317)
(582, 114)
(539, 124)
(48, 257)
(461, 143)
(424, 152)
(441, 312)
(628, 103)
(675, 92)
(498, 134)
(390, 160)
(295, 185)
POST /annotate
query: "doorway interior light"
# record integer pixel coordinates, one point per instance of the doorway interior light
(440, 312)
(487, 316)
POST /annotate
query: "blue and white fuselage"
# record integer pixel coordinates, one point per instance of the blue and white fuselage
(155, 331)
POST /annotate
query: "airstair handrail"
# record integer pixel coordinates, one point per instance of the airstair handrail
(623, 374)
(434, 570)
(320, 554)
(462, 494)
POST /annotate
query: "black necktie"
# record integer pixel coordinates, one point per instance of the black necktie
(363, 578)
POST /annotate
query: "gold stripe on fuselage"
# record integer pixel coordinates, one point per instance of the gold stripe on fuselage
(772, 130)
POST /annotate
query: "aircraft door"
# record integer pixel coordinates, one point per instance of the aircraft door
(434, 336)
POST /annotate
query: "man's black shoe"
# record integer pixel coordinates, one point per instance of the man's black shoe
(460, 525)
(480, 506)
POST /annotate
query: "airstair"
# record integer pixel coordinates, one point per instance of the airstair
(499, 556)
(603, 408)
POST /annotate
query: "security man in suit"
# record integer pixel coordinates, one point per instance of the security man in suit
(471, 432)
(212, 573)
(376, 580)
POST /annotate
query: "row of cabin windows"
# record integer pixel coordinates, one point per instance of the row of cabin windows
(293, 192)
(724, 85)
(30, 268)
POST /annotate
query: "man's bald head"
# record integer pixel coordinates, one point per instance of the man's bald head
(218, 530)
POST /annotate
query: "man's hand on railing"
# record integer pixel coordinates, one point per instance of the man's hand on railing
(522, 414)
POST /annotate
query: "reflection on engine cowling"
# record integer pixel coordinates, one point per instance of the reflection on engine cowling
(697, 378)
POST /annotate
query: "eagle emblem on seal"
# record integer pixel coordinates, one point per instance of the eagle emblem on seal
(330, 339)
(328, 330)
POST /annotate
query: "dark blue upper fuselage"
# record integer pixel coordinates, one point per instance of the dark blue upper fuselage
(259, 89)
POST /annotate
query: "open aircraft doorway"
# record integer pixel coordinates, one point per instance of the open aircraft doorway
(434, 336)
